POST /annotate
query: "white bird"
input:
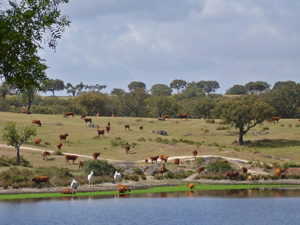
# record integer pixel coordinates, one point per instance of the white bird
(90, 178)
(117, 176)
(74, 186)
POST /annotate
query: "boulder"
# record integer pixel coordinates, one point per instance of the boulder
(162, 132)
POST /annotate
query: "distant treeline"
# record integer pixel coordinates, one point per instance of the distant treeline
(198, 99)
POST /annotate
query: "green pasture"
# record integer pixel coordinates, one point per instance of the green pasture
(179, 188)
(279, 140)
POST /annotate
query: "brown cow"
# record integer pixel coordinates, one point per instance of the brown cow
(200, 169)
(124, 186)
(80, 165)
(190, 186)
(261, 177)
(141, 128)
(250, 178)
(279, 172)
(176, 161)
(195, 153)
(63, 137)
(26, 112)
(98, 115)
(67, 191)
(275, 118)
(164, 158)
(146, 160)
(127, 126)
(41, 179)
(154, 158)
(96, 154)
(59, 145)
(87, 120)
(183, 115)
(233, 175)
(70, 157)
(37, 141)
(38, 122)
(83, 116)
(100, 132)
(161, 170)
(45, 154)
(224, 160)
(166, 117)
(244, 170)
(70, 114)
(107, 128)
(127, 148)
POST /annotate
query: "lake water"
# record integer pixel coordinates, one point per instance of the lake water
(199, 207)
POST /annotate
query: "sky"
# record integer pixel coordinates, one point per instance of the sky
(115, 42)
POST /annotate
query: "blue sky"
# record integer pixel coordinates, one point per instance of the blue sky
(115, 42)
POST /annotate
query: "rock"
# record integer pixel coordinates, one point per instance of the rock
(91, 125)
(187, 134)
(178, 171)
(162, 132)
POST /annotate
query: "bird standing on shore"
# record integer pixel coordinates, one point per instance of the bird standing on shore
(74, 186)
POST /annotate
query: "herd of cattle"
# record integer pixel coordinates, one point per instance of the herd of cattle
(163, 158)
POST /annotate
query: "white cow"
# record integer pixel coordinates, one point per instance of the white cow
(90, 178)
(117, 176)
(74, 186)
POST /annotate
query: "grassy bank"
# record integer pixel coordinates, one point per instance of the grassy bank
(180, 188)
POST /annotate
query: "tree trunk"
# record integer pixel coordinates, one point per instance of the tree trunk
(18, 155)
(241, 140)
(29, 104)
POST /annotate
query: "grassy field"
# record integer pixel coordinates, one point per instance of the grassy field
(180, 188)
(280, 140)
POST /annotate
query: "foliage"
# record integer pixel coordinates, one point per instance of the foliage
(257, 87)
(17, 136)
(204, 106)
(54, 85)
(99, 167)
(92, 102)
(23, 27)
(244, 112)
(161, 89)
(218, 167)
(118, 142)
(208, 86)
(178, 84)
(236, 90)
(74, 90)
(161, 105)
(135, 85)
(193, 91)
(5, 161)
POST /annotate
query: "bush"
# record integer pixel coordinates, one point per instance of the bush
(169, 175)
(218, 167)
(200, 160)
(223, 128)
(210, 121)
(57, 152)
(288, 165)
(138, 171)
(5, 161)
(141, 139)
(99, 167)
(118, 142)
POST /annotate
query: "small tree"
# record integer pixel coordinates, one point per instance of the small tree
(17, 136)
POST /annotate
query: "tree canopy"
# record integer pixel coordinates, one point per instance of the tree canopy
(244, 112)
(135, 85)
(22, 28)
(161, 89)
(236, 90)
(178, 84)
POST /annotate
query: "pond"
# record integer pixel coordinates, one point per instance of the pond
(254, 206)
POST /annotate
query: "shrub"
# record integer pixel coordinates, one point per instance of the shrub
(134, 177)
(218, 167)
(223, 128)
(265, 128)
(138, 171)
(99, 167)
(118, 142)
(169, 175)
(200, 160)
(159, 140)
(210, 121)
(141, 139)
(57, 152)
(288, 165)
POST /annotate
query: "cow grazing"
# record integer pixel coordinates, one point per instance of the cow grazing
(176, 161)
(224, 160)
(26, 112)
(59, 145)
(42, 179)
(100, 132)
(38, 122)
(141, 128)
(127, 148)
(182, 116)
(275, 118)
(190, 186)
(232, 175)
(67, 191)
(83, 116)
(80, 165)
(98, 115)
(279, 172)
(107, 129)
(63, 137)
(124, 187)
(154, 158)
(96, 154)
(195, 153)
(90, 178)
(166, 117)
(244, 170)
(86, 120)
(70, 157)
(117, 176)
(250, 178)
(108, 123)
(70, 114)
(200, 169)
(164, 158)
(161, 170)
(37, 141)
(45, 154)
(127, 126)
(146, 160)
